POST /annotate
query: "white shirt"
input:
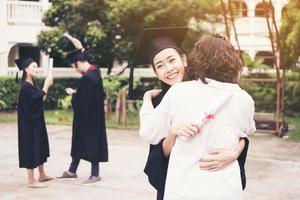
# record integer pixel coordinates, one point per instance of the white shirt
(187, 102)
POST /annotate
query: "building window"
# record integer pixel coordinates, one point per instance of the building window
(239, 8)
(261, 8)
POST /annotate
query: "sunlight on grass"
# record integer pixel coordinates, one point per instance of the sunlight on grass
(65, 117)
(295, 122)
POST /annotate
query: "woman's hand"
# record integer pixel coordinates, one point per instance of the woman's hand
(48, 83)
(217, 159)
(149, 95)
(76, 43)
(70, 91)
(187, 130)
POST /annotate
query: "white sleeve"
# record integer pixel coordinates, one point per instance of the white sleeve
(155, 123)
(248, 114)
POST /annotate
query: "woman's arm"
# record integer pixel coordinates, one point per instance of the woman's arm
(219, 159)
(168, 144)
(47, 83)
(187, 130)
(151, 119)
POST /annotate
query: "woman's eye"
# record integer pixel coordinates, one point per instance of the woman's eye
(159, 66)
(172, 60)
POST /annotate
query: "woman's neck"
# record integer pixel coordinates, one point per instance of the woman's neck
(29, 79)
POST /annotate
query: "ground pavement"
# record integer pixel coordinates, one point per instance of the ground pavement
(273, 169)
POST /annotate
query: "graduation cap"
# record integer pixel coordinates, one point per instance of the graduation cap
(24, 62)
(153, 41)
(77, 55)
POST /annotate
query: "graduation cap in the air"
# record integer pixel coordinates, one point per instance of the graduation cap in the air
(153, 41)
(24, 62)
(77, 55)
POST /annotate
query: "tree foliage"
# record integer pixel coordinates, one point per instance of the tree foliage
(290, 33)
(110, 28)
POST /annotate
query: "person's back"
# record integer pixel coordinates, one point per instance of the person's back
(189, 101)
(89, 119)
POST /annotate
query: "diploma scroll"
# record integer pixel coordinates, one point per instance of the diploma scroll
(50, 67)
(212, 112)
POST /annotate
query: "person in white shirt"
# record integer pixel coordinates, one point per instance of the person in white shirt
(213, 70)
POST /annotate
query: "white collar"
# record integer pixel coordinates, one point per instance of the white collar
(221, 85)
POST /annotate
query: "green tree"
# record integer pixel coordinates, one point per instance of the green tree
(290, 33)
(87, 21)
(132, 16)
(110, 28)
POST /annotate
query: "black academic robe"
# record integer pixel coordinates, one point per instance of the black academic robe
(89, 132)
(32, 132)
(157, 164)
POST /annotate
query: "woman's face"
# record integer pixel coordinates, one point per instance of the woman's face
(169, 66)
(32, 69)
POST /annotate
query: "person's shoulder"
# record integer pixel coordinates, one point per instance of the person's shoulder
(178, 89)
(245, 96)
(87, 77)
(92, 75)
(183, 85)
(26, 87)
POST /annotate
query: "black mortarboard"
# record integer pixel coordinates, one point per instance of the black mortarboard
(77, 55)
(153, 41)
(24, 62)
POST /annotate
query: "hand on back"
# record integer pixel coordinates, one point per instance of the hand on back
(150, 94)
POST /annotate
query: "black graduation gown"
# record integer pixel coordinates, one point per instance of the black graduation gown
(32, 132)
(89, 132)
(157, 164)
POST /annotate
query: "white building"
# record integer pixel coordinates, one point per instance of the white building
(252, 29)
(21, 22)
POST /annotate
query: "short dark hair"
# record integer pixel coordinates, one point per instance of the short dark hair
(214, 57)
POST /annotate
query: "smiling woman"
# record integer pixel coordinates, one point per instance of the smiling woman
(169, 65)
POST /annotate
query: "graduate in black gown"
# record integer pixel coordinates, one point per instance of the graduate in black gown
(32, 132)
(170, 70)
(89, 140)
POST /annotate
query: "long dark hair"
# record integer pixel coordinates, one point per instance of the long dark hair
(23, 79)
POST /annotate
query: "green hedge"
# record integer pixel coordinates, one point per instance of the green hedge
(264, 94)
(9, 90)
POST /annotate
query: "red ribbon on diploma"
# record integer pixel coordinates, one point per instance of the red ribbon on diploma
(208, 117)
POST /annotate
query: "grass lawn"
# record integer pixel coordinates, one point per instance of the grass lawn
(8, 117)
(294, 121)
(64, 117)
